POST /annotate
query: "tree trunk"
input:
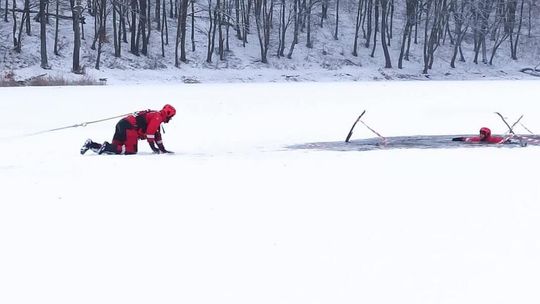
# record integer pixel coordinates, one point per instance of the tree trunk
(357, 27)
(43, 34)
(227, 25)
(384, 10)
(6, 12)
(406, 38)
(178, 38)
(245, 22)
(76, 9)
(426, 39)
(209, 37)
(459, 32)
(237, 19)
(213, 44)
(418, 19)
(324, 11)
(97, 16)
(162, 29)
(376, 28)
(101, 31)
(166, 24)
(123, 26)
(193, 26)
(115, 31)
(158, 15)
(27, 18)
(148, 21)
(391, 27)
(529, 6)
(182, 17)
(296, 20)
(309, 44)
(133, 29)
(14, 15)
(56, 29)
(142, 25)
(337, 20)
(369, 23)
(263, 23)
(282, 30)
(220, 10)
(515, 45)
(47, 12)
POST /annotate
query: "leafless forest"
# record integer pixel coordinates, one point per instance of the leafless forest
(277, 27)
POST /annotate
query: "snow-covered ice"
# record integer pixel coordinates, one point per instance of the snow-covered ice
(236, 216)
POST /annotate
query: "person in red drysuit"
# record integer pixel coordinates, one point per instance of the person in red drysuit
(484, 137)
(142, 125)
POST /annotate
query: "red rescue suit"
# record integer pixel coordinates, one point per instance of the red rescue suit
(484, 137)
(488, 140)
(143, 125)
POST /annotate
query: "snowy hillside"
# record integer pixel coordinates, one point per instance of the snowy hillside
(328, 60)
(237, 216)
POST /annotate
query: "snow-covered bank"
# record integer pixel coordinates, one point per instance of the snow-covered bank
(329, 58)
(285, 72)
(236, 217)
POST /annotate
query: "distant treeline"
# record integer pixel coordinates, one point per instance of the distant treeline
(429, 23)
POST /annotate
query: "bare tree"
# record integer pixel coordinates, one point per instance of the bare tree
(511, 24)
(369, 30)
(530, 4)
(357, 27)
(461, 12)
(6, 12)
(56, 28)
(482, 10)
(385, 10)
(116, 33)
(157, 15)
(491, 24)
(193, 25)
(376, 22)
(43, 34)
(296, 22)
(309, 44)
(237, 19)
(502, 25)
(411, 6)
(436, 12)
(133, 27)
(102, 12)
(27, 18)
(419, 12)
(122, 12)
(391, 24)
(14, 16)
(77, 10)
(164, 28)
(219, 21)
(211, 34)
(183, 9)
(324, 11)
(282, 28)
(337, 21)
(143, 24)
(244, 15)
(263, 17)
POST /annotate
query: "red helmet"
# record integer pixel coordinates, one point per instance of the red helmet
(485, 131)
(168, 112)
